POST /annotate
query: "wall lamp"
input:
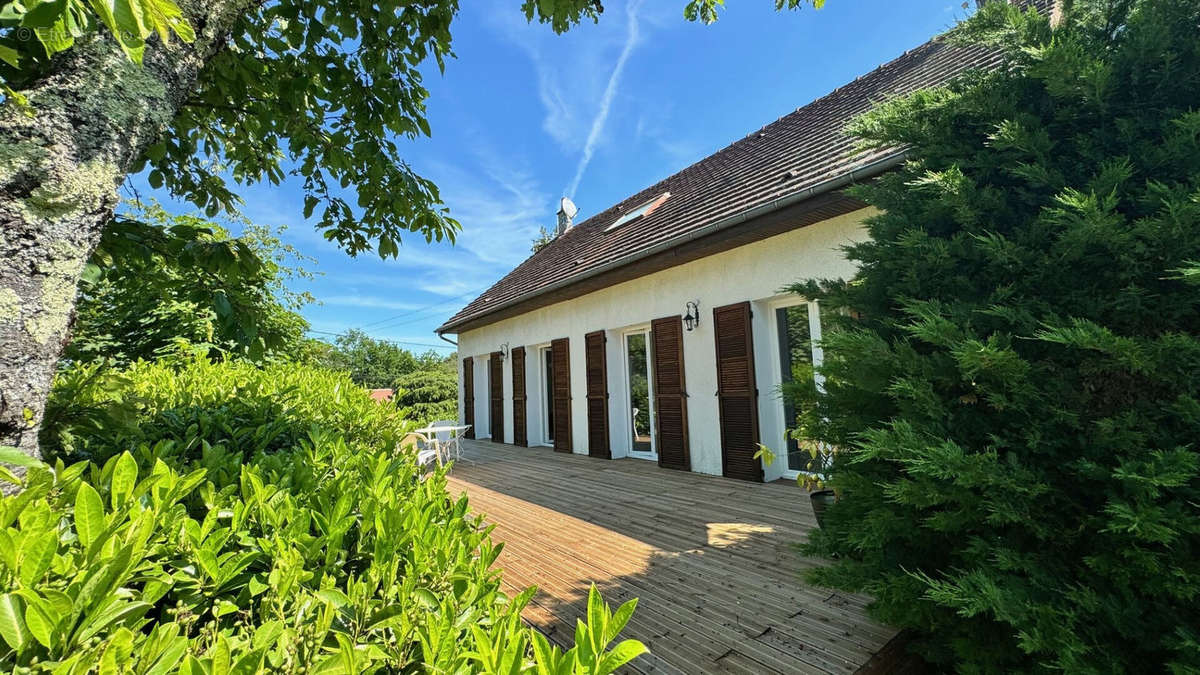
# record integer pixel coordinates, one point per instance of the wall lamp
(691, 318)
(503, 351)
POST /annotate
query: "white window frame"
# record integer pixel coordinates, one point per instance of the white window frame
(481, 379)
(546, 408)
(626, 409)
(640, 211)
(818, 359)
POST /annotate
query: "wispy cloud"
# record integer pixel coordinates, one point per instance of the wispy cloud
(654, 130)
(500, 204)
(369, 301)
(567, 68)
(451, 287)
(581, 76)
(610, 92)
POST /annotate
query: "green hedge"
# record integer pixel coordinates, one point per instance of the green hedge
(259, 520)
(95, 412)
(1014, 371)
(428, 395)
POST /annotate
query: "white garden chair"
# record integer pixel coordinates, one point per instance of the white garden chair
(439, 442)
(447, 440)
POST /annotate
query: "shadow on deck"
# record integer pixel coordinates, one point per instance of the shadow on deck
(711, 560)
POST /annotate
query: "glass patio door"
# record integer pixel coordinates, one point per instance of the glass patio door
(640, 417)
(547, 359)
(799, 330)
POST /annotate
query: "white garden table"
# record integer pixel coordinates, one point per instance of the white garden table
(442, 440)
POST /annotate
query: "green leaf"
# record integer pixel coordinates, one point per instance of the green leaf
(225, 608)
(220, 657)
(116, 652)
(765, 454)
(129, 29)
(114, 614)
(169, 657)
(91, 273)
(8, 550)
(10, 56)
(191, 666)
(596, 611)
(8, 476)
(164, 16)
(18, 457)
(256, 586)
(267, 633)
(12, 622)
(37, 552)
(221, 304)
(620, 618)
(334, 597)
(544, 654)
(209, 564)
(57, 602)
(124, 478)
(89, 514)
(426, 597)
(623, 653)
(389, 617)
(44, 15)
(583, 640)
(40, 625)
(248, 663)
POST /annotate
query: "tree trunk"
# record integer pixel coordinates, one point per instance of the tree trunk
(60, 167)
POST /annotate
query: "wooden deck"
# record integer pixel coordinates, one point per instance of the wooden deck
(710, 559)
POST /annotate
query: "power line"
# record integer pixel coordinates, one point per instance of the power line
(379, 339)
(405, 323)
(419, 310)
(411, 313)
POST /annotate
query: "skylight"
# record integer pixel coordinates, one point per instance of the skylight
(638, 211)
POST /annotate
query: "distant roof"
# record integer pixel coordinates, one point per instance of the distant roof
(382, 395)
(800, 151)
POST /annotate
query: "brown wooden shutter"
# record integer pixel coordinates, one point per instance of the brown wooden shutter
(468, 365)
(496, 392)
(560, 355)
(597, 394)
(520, 432)
(670, 393)
(737, 393)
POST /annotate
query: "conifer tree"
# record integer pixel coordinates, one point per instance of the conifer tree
(1013, 379)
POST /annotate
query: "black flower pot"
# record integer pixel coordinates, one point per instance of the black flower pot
(821, 499)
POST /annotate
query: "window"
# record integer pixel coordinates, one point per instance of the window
(639, 211)
(641, 402)
(547, 396)
(799, 327)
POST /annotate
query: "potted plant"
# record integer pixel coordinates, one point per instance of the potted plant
(821, 499)
(819, 463)
(813, 478)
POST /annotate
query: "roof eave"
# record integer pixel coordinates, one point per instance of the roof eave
(865, 172)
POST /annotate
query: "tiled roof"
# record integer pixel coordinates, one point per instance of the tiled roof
(801, 150)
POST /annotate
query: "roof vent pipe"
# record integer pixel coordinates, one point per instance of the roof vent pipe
(566, 215)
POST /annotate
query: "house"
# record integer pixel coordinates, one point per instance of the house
(656, 328)
(381, 395)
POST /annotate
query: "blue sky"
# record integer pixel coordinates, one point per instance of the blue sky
(523, 116)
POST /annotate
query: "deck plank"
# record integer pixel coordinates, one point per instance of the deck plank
(711, 560)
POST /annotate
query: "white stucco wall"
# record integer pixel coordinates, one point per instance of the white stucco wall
(754, 272)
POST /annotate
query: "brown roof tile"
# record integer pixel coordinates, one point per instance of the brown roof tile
(799, 151)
